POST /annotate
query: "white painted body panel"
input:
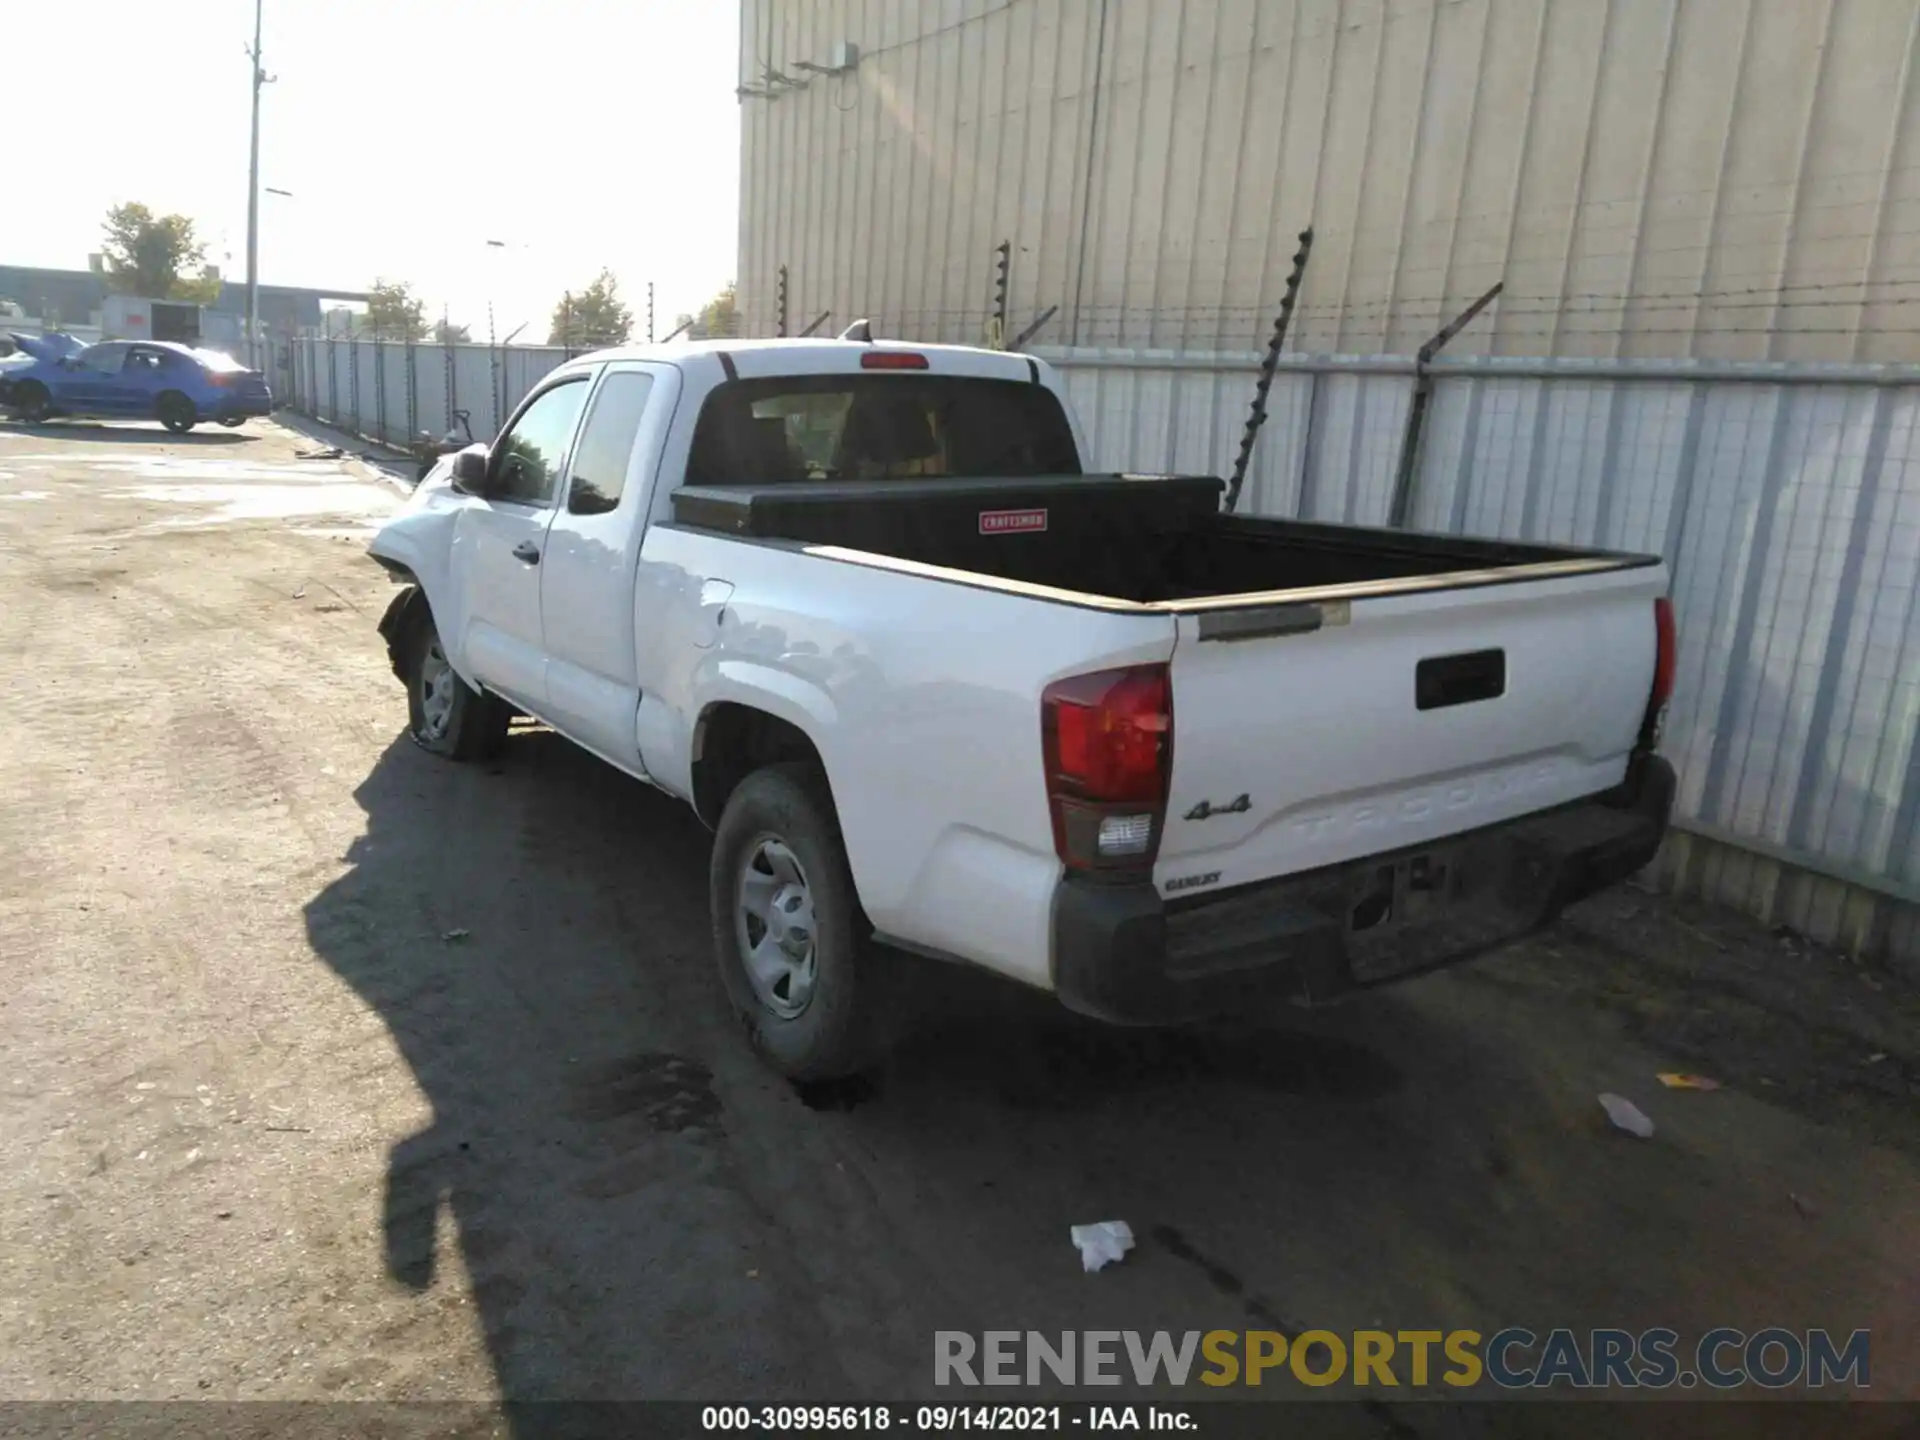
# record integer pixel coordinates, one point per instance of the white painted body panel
(504, 641)
(921, 692)
(1322, 733)
(923, 699)
(586, 594)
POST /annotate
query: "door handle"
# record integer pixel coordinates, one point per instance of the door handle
(528, 551)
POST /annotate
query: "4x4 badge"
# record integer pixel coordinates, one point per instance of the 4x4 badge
(1206, 809)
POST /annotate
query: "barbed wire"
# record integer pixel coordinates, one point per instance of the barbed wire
(1408, 307)
(1403, 321)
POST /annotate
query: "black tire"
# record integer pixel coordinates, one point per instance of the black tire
(472, 725)
(29, 402)
(834, 1035)
(176, 412)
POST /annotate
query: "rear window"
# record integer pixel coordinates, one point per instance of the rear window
(878, 427)
(215, 360)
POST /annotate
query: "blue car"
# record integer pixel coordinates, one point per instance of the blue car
(131, 380)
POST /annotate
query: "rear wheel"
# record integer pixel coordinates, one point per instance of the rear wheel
(176, 412)
(30, 402)
(787, 930)
(444, 714)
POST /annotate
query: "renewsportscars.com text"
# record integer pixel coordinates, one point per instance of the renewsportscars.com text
(1511, 1359)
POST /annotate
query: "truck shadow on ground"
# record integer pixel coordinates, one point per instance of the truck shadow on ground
(643, 1210)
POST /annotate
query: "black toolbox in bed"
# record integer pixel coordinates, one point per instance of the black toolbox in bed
(1094, 532)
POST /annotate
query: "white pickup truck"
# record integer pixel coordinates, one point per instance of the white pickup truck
(936, 689)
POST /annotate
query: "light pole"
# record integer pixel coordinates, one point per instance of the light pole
(254, 342)
(260, 77)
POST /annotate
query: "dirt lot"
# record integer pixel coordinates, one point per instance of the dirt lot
(332, 1070)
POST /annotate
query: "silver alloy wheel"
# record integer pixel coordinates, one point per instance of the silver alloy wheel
(773, 921)
(436, 691)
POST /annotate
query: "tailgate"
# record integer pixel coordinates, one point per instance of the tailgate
(1401, 720)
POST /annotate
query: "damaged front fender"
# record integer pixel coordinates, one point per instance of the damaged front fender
(417, 547)
(397, 623)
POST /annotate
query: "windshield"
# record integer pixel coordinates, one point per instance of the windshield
(877, 427)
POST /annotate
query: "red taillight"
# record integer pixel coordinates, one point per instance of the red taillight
(1665, 657)
(1107, 742)
(219, 379)
(892, 360)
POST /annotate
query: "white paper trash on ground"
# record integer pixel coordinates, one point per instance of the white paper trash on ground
(1102, 1244)
(1627, 1116)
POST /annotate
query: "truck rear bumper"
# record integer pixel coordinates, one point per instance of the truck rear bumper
(1122, 953)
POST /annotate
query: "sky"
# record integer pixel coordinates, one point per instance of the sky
(582, 133)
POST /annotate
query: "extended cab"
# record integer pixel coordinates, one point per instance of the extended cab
(937, 689)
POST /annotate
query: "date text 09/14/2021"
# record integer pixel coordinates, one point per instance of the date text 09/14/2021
(943, 1419)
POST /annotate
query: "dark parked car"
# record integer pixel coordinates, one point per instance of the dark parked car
(132, 380)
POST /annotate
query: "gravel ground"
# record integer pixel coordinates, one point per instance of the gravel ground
(334, 1071)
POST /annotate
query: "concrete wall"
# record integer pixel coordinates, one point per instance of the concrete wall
(1726, 178)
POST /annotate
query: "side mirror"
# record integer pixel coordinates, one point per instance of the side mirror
(470, 469)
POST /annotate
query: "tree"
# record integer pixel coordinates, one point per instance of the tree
(445, 332)
(719, 318)
(593, 319)
(146, 254)
(393, 313)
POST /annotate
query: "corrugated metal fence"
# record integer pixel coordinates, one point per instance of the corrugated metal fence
(389, 390)
(1786, 500)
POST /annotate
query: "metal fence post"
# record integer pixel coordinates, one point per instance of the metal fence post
(380, 349)
(413, 399)
(1258, 415)
(1401, 504)
(1020, 340)
(353, 380)
(452, 370)
(1002, 264)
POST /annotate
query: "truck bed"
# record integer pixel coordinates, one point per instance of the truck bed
(1156, 540)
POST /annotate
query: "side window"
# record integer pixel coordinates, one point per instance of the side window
(143, 362)
(103, 359)
(526, 462)
(606, 444)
